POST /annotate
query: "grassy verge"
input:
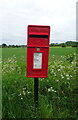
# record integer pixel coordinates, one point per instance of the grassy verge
(57, 93)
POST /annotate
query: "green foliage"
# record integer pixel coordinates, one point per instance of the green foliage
(57, 93)
(4, 45)
(68, 43)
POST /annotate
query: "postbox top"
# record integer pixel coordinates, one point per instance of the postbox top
(38, 35)
(38, 29)
(39, 26)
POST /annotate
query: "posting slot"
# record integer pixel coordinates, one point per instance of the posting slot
(39, 36)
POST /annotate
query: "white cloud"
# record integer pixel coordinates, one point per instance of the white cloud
(17, 14)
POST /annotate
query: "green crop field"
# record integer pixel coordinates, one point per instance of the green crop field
(19, 52)
(57, 93)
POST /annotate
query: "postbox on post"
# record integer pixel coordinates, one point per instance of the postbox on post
(37, 51)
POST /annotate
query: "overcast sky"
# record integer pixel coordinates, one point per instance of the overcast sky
(16, 15)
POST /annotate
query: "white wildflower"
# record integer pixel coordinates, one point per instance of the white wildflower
(62, 76)
(21, 98)
(24, 88)
(71, 76)
(67, 75)
(57, 80)
(28, 92)
(68, 78)
(52, 90)
(59, 69)
(23, 92)
(54, 74)
(49, 89)
(19, 94)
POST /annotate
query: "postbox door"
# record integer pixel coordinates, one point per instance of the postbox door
(37, 62)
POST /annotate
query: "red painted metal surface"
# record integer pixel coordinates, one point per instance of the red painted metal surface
(37, 42)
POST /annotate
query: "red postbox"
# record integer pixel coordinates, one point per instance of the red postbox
(37, 51)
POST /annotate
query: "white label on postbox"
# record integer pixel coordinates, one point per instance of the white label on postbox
(37, 60)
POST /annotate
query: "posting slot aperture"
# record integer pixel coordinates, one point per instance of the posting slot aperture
(39, 36)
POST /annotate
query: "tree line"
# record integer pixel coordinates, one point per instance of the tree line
(68, 43)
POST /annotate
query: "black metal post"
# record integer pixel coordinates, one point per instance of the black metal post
(36, 93)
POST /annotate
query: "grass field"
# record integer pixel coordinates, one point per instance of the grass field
(57, 93)
(19, 52)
